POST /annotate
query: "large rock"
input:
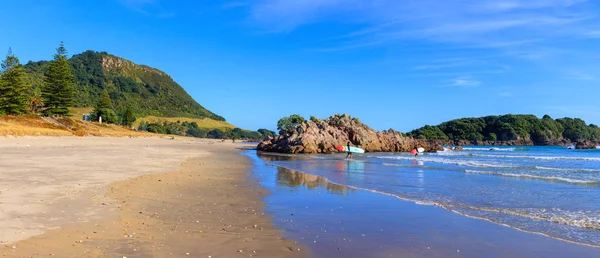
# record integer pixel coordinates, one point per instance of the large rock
(322, 137)
(585, 145)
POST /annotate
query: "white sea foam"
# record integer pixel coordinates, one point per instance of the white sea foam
(529, 176)
(466, 214)
(539, 157)
(459, 162)
(568, 169)
(488, 149)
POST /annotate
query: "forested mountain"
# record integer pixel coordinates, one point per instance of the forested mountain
(511, 128)
(148, 91)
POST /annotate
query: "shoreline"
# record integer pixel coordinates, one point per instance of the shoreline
(206, 205)
(398, 226)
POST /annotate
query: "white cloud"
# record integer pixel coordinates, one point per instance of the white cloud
(506, 5)
(153, 8)
(462, 82)
(484, 23)
(582, 76)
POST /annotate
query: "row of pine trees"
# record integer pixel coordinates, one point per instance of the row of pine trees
(55, 96)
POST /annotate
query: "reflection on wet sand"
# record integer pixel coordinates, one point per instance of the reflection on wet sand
(268, 156)
(292, 178)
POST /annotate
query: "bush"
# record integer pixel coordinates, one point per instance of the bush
(266, 133)
(108, 115)
(287, 124)
(156, 128)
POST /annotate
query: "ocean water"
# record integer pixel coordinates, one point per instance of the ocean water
(547, 191)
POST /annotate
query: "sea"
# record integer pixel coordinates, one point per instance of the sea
(490, 201)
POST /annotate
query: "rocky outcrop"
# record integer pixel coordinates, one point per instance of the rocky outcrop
(323, 135)
(585, 145)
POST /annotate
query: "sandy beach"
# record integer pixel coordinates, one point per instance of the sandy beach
(132, 197)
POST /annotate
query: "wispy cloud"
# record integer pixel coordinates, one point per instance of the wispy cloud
(467, 61)
(583, 76)
(154, 8)
(461, 82)
(506, 5)
(486, 23)
(465, 81)
(528, 34)
(447, 63)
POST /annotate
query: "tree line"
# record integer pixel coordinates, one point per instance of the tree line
(511, 127)
(192, 129)
(18, 97)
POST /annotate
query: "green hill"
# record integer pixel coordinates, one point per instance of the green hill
(510, 127)
(149, 91)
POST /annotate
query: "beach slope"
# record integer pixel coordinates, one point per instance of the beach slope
(133, 197)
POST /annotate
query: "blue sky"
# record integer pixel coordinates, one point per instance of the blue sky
(393, 63)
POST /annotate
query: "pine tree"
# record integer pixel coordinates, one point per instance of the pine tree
(104, 101)
(14, 88)
(2, 97)
(129, 117)
(104, 109)
(59, 84)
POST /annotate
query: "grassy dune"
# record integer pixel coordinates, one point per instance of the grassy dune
(77, 112)
(202, 123)
(32, 125)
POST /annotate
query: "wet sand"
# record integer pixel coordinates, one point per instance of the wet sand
(138, 197)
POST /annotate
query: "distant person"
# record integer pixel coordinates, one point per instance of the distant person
(415, 151)
(348, 150)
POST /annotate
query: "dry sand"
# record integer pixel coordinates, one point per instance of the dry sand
(132, 197)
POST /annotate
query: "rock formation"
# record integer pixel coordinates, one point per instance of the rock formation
(585, 145)
(322, 136)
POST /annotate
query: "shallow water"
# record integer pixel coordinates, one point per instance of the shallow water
(549, 191)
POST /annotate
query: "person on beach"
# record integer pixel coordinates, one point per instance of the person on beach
(415, 152)
(348, 150)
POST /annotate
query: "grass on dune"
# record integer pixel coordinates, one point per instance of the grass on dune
(202, 122)
(77, 112)
(32, 125)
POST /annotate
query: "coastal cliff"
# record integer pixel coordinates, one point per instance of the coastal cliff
(321, 136)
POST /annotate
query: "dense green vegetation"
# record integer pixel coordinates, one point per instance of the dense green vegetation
(14, 89)
(58, 87)
(192, 129)
(104, 109)
(286, 124)
(54, 92)
(511, 127)
(119, 91)
(267, 133)
(145, 90)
